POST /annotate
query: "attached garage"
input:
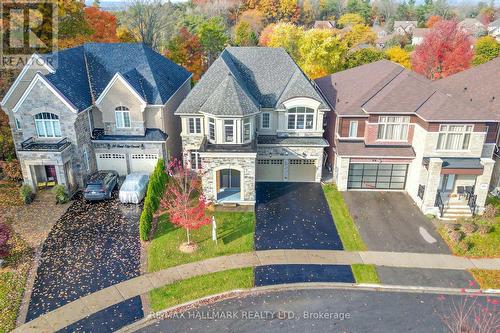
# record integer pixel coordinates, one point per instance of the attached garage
(143, 162)
(269, 170)
(302, 170)
(112, 161)
(377, 176)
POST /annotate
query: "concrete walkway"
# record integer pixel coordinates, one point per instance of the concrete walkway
(92, 303)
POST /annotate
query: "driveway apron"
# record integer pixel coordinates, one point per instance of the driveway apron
(92, 246)
(296, 216)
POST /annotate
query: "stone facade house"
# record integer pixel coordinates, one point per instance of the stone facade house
(393, 130)
(95, 107)
(405, 28)
(253, 117)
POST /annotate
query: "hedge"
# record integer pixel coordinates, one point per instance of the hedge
(156, 188)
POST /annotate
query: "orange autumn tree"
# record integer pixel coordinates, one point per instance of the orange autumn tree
(433, 20)
(103, 24)
(445, 50)
(185, 49)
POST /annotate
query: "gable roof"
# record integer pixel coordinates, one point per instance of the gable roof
(404, 24)
(384, 87)
(494, 24)
(253, 77)
(82, 73)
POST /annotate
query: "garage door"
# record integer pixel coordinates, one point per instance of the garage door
(143, 162)
(270, 170)
(302, 171)
(377, 176)
(112, 161)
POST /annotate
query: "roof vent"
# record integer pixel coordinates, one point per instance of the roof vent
(465, 88)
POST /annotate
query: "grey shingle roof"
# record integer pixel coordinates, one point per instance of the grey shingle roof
(360, 149)
(267, 76)
(151, 134)
(153, 76)
(292, 141)
(494, 24)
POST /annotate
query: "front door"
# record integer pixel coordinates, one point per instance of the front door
(50, 171)
(447, 182)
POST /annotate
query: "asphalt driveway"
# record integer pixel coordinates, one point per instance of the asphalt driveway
(92, 246)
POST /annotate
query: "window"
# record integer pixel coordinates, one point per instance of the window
(266, 120)
(393, 128)
(194, 125)
(454, 137)
(229, 131)
(247, 130)
(18, 124)
(353, 129)
(122, 117)
(211, 129)
(47, 125)
(195, 160)
(300, 118)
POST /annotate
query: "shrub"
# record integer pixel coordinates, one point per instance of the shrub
(156, 188)
(484, 229)
(61, 194)
(456, 236)
(490, 211)
(449, 227)
(4, 239)
(464, 246)
(469, 228)
(26, 193)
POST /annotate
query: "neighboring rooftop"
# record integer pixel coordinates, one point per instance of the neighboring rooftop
(324, 25)
(83, 72)
(360, 149)
(405, 24)
(420, 32)
(291, 141)
(151, 134)
(245, 79)
(494, 24)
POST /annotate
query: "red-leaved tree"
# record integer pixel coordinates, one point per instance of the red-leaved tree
(103, 24)
(445, 50)
(183, 201)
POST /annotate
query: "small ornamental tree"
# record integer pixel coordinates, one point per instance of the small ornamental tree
(183, 201)
(4, 239)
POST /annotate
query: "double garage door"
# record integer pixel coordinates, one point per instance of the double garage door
(377, 176)
(118, 162)
(299, 170)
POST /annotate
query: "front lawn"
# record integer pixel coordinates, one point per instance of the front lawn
(487, 279)
(9, 194)
(234, 234)
(200, 286)
(349, 234)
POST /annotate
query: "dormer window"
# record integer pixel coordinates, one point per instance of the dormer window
(300, 118)
(122, 117)
(47, 125)
(247, 130)
(194, 125)
(266, 120)
(229, 131)
(211, 129)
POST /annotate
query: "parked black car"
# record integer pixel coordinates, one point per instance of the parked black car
(100, 185)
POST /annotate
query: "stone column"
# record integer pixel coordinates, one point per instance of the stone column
(343, 173)
(432, 185)
(482, 183)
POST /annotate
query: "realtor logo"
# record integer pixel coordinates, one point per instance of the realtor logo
(27, 27)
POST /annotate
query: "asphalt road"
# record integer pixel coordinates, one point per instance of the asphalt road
(321, 310)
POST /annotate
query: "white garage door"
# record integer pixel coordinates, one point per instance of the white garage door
(143, 162)
(270, 170)
(302, 171)
(112, 161)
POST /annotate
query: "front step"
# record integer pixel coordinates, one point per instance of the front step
(454, 212)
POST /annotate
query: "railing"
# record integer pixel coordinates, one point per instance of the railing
(469, 191)
(439, 203)
(471, 202)
(421, 191)
(32, 145)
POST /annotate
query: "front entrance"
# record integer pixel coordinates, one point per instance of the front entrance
(447, 183)
(50, 171)
(228, 185)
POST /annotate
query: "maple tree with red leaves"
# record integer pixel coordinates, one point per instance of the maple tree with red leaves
(445, 50)
(181, 201)
(103, 24)
(185, 49)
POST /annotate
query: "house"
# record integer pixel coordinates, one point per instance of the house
(405, 27)
(393, 129)
(324, 25)
(472, 27)
(254, 116)
(382, 36)
(494, 29)
(478, 86)
(95, 107)
(419, 35)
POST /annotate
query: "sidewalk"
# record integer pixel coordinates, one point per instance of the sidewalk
(92, 303)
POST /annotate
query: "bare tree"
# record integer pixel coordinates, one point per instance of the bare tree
(387, 8)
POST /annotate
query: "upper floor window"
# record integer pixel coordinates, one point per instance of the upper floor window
(229, 131)
(194, 125)
(47, 125)
(454, 137)
(211, 129)
(18, 124)
(266, 120)
(393, 128)
(247, 130)
(353, 129)
(122, 117)
(300, 118)
(195, 160)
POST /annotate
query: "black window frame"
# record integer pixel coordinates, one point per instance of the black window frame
(380, 175)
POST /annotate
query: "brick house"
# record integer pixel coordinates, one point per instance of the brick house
(394, 130)
(94, 107)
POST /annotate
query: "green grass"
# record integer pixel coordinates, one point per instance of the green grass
(349, 234)
(234, 234)
(487, 279)
(200, 286)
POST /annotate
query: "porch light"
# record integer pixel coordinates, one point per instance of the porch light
(270, 155)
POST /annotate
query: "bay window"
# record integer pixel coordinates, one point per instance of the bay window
(300, 118)
(122, 117)
(47, 125)
(194, 125)
(454, 137)
(392, 128)
(247, 130)
(229, 131)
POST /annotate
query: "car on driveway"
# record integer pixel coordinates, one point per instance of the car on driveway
(134, 188)
(100, 185)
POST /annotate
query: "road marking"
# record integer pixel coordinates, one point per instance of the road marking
(426, 236)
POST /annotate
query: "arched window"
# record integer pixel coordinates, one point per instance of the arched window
(300, 118)
(47, 125)
(122, 117)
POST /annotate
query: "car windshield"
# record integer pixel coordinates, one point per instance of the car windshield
(94, 187)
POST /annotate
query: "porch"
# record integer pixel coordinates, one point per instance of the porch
(228, 185)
